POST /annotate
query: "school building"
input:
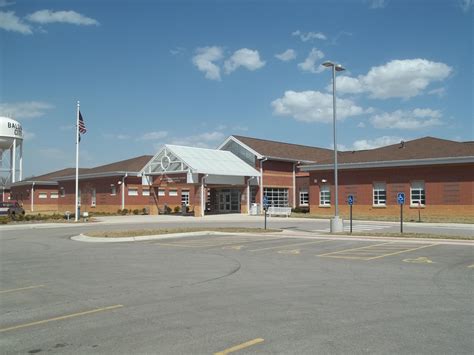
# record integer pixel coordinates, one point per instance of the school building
(435, 174)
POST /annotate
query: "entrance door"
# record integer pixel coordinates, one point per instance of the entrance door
(224, 201)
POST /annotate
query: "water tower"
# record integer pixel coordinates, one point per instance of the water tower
(11, 151)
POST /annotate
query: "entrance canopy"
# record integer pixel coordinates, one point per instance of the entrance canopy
(217, 164)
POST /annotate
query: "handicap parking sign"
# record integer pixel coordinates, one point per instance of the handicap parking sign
(265, 201)
(350, 199)
(401, 198)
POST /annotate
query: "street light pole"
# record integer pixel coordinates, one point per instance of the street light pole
(336, 223)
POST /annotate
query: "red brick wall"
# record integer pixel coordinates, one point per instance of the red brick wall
(23, 195)
(448, 189)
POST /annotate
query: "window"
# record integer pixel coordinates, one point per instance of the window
(113, 190)
(43, 195)
(304, 197)
(417, 193)
(62, 192)
(54, 195)
(324, 195)
(277, 197)
(380, 194)
(145, 192)
(132, 191)
(173, 192)
(161, 192)
(185, 198)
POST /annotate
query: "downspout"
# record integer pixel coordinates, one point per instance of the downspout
(32, 207)
(261, 181)
(123, 191)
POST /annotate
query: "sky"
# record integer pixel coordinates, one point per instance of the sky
(149, 73)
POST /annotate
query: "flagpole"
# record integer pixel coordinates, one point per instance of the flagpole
(76, 212)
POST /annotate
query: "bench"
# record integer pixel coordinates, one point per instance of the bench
(279, 211)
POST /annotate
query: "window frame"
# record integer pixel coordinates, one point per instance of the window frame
(420, 190)
(54, 195)
(134, 189)
(303, 192)
(42, 195)
(326, 202)
(377, 188)
(277, 196)
(145, 192)
(185, 197)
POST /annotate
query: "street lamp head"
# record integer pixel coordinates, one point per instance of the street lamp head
(328, 64)
(339, 67)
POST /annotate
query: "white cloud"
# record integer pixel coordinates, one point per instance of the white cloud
(438, 91)
(287, 55)
(10, 22)
(377, 4)
(204, 61)
(466, 5)
(177, 51)
(5, 3)
(314, 106)
(244, 57)
(308, 36)
(71, 17)
(154, 135)
(20, 110)
(361, 125)
(398, 78)
(363, 144)
(118, 136)
(202, 140)
(27, 136)
(310, 62)
(408, 120)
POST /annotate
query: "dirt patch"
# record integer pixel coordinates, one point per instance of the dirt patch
(143, 232)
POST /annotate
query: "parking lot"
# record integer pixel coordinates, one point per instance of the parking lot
(234, 293)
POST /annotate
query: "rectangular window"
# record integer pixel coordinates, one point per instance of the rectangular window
(173, 192)
(43, 195)
(277, 197)
(324, 195)
(132, 191)
(379, 194)
(54, 195)
(185, 198)
(62, 192)
(113, 190)
(161, 192)
(145, 192)
(417, 193)
(304, 197)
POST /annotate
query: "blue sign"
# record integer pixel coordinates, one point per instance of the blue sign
(350, 199)
(265, 201)
(401, 198)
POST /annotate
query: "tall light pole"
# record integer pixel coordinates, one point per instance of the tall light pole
(336, 222)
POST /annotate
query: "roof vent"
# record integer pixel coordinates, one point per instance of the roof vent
(402, 144)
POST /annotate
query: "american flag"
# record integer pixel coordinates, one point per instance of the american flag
(82, 126)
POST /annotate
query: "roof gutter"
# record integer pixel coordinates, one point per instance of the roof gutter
(390, 163)
(99, 175)
(38, 182)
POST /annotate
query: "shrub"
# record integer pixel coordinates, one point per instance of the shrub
(300, 209)
(124, 212)
(167, 210)
(145, 211)
(177, 209)
(136, 211)
(4, 219)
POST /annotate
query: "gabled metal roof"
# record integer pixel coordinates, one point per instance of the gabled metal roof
(175, 158)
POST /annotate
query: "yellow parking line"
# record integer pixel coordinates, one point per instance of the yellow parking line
(60, 318)
(292, 245)
(240, 346)
(343, 251)
(21, 289)
(402, 251)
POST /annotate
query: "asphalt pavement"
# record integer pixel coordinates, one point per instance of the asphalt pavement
(265, 294)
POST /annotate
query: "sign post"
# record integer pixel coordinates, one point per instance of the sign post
(350, 201)
(401, 202)
(265, 208)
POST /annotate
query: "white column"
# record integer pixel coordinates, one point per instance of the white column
(248, 195)
(294, 185)
(123, 191)
(32, 197)
(21, 162)
(13, 161)
(202, 197)
(261, 184)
